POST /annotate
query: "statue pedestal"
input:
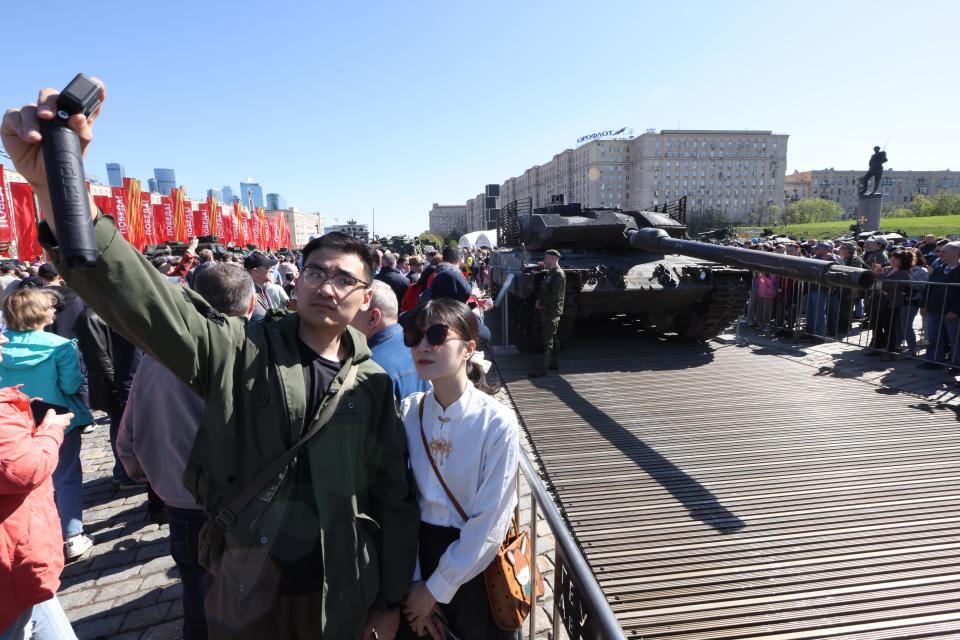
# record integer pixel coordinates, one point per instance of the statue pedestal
(870, 206)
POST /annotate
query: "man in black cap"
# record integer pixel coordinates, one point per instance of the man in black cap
(270, 297)
(553, 288)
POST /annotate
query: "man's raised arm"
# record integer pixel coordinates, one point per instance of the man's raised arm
(171, 323)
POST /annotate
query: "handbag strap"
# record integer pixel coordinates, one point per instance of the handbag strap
(426, 447)
(228, 515)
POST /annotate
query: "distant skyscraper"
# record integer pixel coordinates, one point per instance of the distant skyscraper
(166, 180)
(152, 185)
(216, 194)
(250, 191)
(227, 194)
(275, 202)
(115, 174)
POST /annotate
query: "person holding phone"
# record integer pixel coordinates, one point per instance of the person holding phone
(48, 366)
(31, 547)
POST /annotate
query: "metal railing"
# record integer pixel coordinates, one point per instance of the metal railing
(898, 317)
(575, 590)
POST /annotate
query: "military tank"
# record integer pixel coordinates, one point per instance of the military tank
(638, 264)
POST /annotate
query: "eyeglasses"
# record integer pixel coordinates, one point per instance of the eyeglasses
(436, 335)
(343, 283)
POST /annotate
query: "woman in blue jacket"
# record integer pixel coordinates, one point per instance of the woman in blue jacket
(48, 367)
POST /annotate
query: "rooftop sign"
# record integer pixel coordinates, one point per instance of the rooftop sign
(600, 134)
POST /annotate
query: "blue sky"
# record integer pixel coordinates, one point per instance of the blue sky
(343, 108)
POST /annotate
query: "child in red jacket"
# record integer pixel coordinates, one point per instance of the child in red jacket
(31, 545)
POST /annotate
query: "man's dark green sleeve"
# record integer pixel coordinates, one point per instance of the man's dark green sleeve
(394, 505)
(171, 323)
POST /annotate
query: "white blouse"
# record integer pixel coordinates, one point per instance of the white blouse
(475, 443)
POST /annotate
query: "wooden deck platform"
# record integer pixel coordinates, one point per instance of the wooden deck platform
(720, 493)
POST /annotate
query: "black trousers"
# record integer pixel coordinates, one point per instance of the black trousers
(468, 613)
(185, 525)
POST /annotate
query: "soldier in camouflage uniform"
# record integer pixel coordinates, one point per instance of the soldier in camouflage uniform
(550, 305)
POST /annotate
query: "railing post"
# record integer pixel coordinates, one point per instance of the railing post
(533, 566)
(557, 585)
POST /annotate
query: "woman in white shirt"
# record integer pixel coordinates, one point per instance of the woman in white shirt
(474, 442)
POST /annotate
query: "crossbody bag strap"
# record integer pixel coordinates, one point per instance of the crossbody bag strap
(426, 448)
(228, 515)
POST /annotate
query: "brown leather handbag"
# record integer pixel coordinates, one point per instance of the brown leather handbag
(513, 571)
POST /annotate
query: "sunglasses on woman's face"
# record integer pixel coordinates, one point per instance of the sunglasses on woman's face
(436, 335)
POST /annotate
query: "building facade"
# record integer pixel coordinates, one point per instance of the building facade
(216, 193)
(115, 174)
(251, 195)
(352, 228)
(447, 218)
(275, 202)
(735, 174)
(166, 180)
(152, 185)
(303, 226)
(227, 193)
(843, 187)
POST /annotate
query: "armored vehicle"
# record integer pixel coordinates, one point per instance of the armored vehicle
(637, 264)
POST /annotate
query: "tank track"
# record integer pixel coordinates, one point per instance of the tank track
(731, 289)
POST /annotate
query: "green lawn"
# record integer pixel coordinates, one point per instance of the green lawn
(913, 227)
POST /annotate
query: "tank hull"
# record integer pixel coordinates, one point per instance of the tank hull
(670, 295)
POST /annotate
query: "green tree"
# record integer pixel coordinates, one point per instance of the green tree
(813, 210)
(431, 239)
(945, 203)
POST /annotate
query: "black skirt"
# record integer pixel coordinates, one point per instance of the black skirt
(468, 613)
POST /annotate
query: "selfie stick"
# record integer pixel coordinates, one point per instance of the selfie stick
(66, 180)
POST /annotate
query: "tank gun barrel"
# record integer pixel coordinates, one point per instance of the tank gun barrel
(819, 271)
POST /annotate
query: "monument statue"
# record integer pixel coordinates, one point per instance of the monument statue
(877, 161)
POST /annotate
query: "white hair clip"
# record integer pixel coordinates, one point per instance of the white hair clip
(478, 359)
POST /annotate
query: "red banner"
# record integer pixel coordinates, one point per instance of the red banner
(25, 216)
(167, 218)
(146, 214)
(254, 230)
(160, 219)
(275, 230)
(225, 218)
(201, 222)
(6, 228)
(105, 202)
(190, 225)
(120, 211)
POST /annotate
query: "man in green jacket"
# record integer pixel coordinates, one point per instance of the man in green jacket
(553, 288)
(329, 550)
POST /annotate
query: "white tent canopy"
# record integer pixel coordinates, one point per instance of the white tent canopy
(476, 239)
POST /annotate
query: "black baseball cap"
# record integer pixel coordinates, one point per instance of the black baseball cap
(257, 259)
(48, 271)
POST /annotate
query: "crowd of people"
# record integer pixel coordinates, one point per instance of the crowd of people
(60, 349)
(914, 278)
(341, 469)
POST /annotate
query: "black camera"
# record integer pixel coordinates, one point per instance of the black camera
(63, 161)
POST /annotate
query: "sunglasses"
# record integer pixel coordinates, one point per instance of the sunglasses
(436, 335)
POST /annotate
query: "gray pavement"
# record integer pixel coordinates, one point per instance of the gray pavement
(127, 586)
